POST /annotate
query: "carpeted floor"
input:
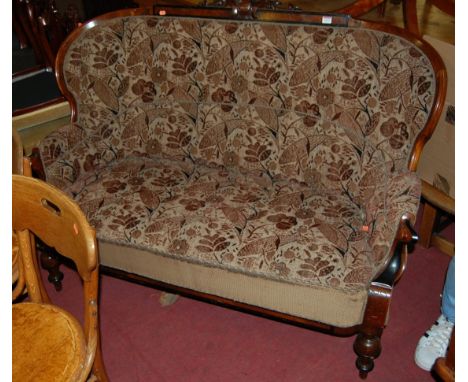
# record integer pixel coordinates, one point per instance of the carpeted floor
(192, 341)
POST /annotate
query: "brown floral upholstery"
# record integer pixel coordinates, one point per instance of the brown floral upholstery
(279, 151)
(225, 218)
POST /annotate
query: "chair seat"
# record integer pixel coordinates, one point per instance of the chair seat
(48, 344)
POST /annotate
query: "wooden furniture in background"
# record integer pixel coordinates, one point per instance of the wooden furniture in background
(411, 15)
(360, 7)
(435, 201)
(354, 8)
(40, 29)
(48, 342)
(445, 366)
(38, 24)
(437, 165)
(94, 8)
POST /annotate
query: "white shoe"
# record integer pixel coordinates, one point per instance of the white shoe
(433, 344)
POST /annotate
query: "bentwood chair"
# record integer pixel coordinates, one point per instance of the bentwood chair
(49, 344)
(17, 168)
(20, 163)
(20, 166)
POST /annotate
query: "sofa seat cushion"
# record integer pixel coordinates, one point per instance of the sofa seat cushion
(241, 222)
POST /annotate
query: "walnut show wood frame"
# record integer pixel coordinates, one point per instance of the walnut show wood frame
(367, 344)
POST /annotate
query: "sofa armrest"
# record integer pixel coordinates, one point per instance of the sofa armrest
(68, 153)
(59, 142)
(81, 161)
(391, 204)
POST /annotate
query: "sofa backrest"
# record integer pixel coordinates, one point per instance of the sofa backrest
(319, 104)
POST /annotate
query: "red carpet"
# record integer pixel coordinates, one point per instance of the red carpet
(194, 341)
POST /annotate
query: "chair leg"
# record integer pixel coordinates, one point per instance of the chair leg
(427, 224)
(367, 345)
(382, 7)
(410, 16)
(45, 296)
(99, 370)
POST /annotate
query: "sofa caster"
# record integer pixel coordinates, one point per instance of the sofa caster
(365, 366)
(363, 375)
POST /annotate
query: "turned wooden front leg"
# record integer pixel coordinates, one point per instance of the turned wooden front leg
(367, 344)
(368, 347)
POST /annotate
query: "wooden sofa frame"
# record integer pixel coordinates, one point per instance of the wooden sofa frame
(367, 344)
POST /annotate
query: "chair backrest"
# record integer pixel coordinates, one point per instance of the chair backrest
(20, 163)
(17, 154)
(43, 210)
(20, 166)
(57, 220)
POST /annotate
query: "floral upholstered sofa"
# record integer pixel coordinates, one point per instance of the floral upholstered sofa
(267, 164)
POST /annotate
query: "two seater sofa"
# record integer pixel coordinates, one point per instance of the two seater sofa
(253, 157)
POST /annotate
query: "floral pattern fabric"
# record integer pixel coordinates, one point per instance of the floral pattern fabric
(225, 218)
(259, 147)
